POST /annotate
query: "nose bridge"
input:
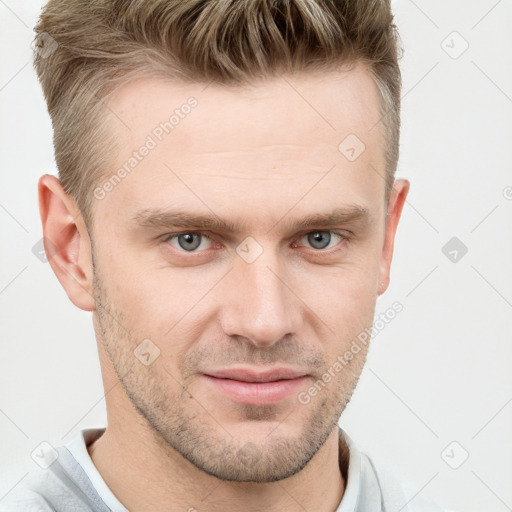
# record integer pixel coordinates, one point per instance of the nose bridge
(260, 306)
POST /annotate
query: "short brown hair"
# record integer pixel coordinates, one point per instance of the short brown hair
(86, 49)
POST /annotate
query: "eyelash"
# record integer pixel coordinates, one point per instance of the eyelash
(343, 236)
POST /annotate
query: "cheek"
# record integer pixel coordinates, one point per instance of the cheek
(168, 306)
(175, 303)
(344, 296)
(133, 287)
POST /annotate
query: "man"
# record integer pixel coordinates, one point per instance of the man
(226, 208)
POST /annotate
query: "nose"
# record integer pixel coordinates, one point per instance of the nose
(258, 303)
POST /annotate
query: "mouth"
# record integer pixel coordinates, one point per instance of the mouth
(253, 387)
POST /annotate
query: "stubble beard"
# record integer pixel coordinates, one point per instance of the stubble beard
(178, 421)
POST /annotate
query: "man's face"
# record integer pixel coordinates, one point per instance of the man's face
(268, 293)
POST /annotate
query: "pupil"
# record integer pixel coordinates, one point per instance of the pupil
(189, 239)
(316, 239)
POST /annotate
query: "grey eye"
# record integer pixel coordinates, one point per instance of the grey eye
(189, 241)
(319, 239)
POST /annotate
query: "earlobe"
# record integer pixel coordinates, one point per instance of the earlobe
(394, 211)
(66, 241)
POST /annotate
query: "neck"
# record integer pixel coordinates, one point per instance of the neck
(143, 474)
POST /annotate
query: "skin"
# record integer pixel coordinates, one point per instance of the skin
(262, 158)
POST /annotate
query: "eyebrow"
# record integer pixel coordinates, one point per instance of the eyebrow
(158, 218)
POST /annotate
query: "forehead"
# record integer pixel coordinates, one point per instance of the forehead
(270, 140)
(323, 106)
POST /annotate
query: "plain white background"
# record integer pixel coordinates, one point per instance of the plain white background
(437, 388)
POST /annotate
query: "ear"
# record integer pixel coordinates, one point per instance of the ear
(66, 242)
(396, 203)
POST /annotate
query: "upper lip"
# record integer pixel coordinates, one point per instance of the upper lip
(254, 375)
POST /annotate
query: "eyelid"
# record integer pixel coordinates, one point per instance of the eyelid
(344, 235)
(169, 236)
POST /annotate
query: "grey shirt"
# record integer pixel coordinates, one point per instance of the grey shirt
(71, 483)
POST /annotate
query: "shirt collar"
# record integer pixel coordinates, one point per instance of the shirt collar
(349, 456)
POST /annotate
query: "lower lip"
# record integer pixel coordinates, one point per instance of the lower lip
(257, 393)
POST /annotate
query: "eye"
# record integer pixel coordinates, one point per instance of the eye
(321, 239)
(188, 241)
(194, 241)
